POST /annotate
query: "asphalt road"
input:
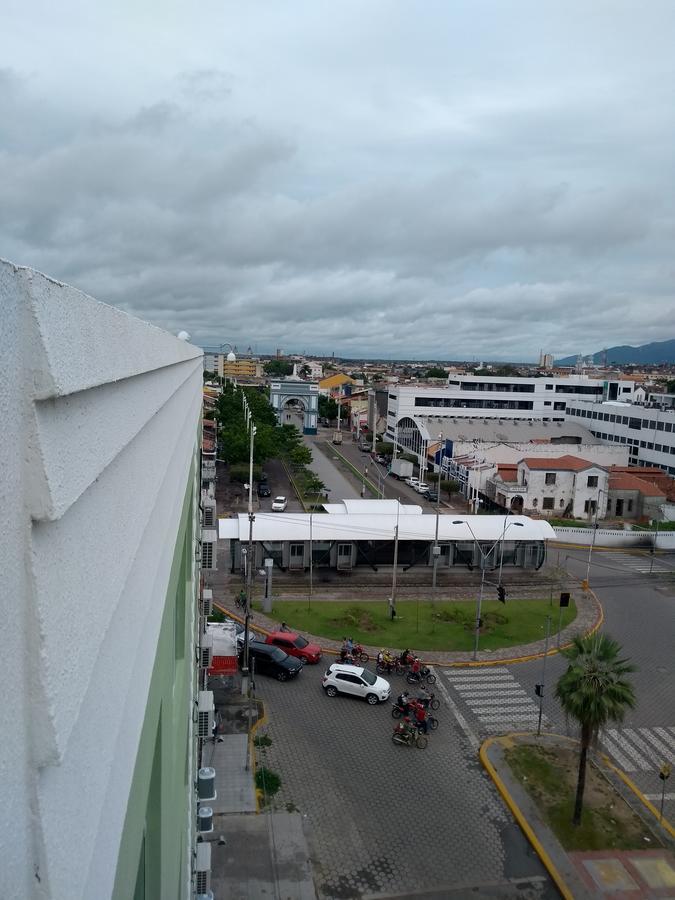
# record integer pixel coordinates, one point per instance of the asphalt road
(384, 820)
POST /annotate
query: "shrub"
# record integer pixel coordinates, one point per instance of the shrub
(267, 781)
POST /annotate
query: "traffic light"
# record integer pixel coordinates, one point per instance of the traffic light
(565, 599)
(501, 593)
(539, 690)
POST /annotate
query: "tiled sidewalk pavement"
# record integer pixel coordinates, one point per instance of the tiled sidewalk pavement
(633, 875)
(589, 615)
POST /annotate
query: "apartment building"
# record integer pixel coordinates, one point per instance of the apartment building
(647, 431)
(101, 487)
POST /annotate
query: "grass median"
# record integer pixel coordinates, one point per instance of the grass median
(425, 625)
(550, 777)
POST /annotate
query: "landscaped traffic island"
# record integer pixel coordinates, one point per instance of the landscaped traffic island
(426, 625)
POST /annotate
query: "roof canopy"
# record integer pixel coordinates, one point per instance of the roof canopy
(355, 527)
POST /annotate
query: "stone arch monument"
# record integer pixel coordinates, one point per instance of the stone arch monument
(304, 393)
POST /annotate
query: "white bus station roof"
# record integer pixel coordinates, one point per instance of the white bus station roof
(276, 527)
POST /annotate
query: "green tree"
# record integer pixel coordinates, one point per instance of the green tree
(305, 371)
(436, 372)
(594, 691)
(384, 448)
(450, 486)
(301, 456)
(328, 408)
(278, 367)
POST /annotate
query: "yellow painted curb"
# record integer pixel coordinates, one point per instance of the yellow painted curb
(523, 823)
(663, 822)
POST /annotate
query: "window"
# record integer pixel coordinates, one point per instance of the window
(634, 423)
(344, 549)
(548, 503)
(550, 478)
(297, 550)
(659, 426)
(592, 481)
(630, 506)
(669, 426)
(549, 387)
(208, 517)
(559, 406)
(650, 445)
(548, 403)
(535, 502)
(562, 503)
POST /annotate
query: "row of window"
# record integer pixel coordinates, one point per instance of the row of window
(591, 480)
(646, 445)
(631, 421)
(449, 403)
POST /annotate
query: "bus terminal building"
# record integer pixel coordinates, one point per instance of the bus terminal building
(367, 534)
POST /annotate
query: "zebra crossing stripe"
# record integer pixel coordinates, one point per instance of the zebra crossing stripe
(646, 749)
(628, 749)
(662, 733)
(505, 701)
(519, 718)
(501, 679)
(614, 751)
(511, 711)
(470, 695)
(653, 797)
(666, 753)
(464, 673)
(481, 676)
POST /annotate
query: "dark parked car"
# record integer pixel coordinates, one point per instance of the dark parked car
(263, 490)
(269, 660)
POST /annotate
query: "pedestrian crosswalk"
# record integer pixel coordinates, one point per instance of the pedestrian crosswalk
(640, 749)
(495, 698)
(642, 563)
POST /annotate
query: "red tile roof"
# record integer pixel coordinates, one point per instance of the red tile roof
(622, 481)
(565, 463)
(507, 471)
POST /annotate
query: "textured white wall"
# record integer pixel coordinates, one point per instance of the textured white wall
(100, 415)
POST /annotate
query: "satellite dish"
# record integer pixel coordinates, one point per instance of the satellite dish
(183, 336)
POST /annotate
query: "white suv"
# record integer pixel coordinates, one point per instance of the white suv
(345, 679)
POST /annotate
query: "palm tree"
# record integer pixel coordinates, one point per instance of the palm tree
(594, 691)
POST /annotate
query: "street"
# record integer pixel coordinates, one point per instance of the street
(390, 820)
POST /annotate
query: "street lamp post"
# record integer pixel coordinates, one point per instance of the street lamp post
(437, 549)
(249, 556)
(483, 557)
(585, 583)
(392, 599)
(311, 548)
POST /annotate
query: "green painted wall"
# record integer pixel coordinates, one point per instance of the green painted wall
(153, 851)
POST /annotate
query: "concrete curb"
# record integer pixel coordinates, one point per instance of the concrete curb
(525, 827)
(251, 748)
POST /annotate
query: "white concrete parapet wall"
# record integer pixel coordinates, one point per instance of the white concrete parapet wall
(608, 537)
(99, 417)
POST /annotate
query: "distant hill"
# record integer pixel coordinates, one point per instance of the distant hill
(647, 354)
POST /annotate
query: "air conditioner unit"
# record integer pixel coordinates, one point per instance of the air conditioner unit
(206, 651)
(203, 868)
(205, 714)
(206, 784)
(207, 602)
(205, 819)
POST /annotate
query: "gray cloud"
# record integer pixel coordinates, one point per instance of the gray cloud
(443, 182)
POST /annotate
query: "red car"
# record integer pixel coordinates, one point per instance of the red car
(295, 645)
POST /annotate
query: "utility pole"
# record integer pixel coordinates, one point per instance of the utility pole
(543, 675)
(437, 549)
(392, 599)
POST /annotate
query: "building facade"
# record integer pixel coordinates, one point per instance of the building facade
(101, 484)
(647, 431)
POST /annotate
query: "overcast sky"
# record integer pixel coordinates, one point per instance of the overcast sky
(421, 179)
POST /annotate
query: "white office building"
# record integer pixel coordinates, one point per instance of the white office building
(648, 431)
(416, 414)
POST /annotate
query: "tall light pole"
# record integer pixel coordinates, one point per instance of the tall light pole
(585, 583)
(437, 549)
(249, 555)
(311, 549)
(483, 557)
(392, 599)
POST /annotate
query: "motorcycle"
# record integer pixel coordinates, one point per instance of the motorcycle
(404, 734)
(391, 666)
(405, 709)
(424, 675)
(428, 701)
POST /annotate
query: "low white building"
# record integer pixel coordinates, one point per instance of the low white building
(553, 487)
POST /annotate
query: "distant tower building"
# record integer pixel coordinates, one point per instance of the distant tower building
(603, 359)
(545, 360)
